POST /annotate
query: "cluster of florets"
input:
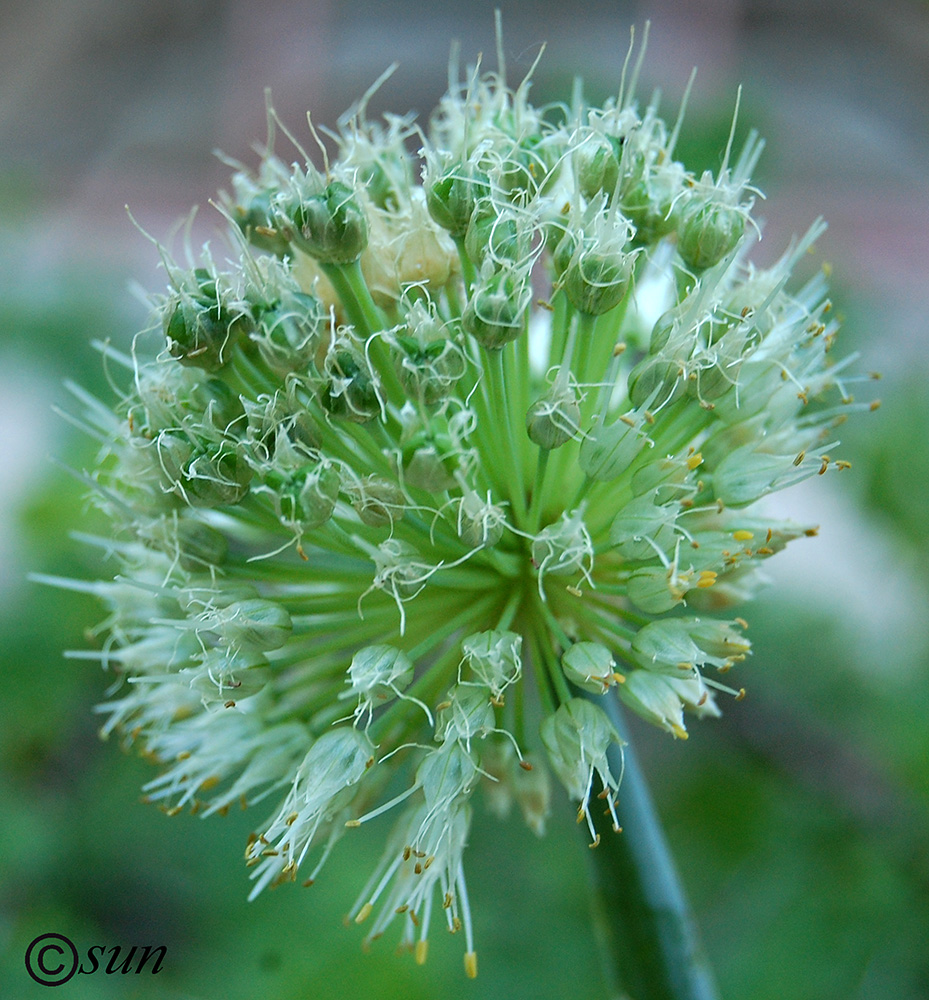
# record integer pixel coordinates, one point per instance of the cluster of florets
(457, 447)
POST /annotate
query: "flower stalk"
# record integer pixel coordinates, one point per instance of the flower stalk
(645, 929)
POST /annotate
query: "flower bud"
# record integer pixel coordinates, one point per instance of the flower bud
(495, 313)
(495, 235)
(378, 501)
(379, 673)
(329, 226)
(227, 676)
(254, 624)
(708, 232)
(202, 327)
(493, 658)
(451, 198)
(350, 393)
(666, 645)
(554, 419)
(650, 589)
(642, 518)
(590, 666)
(596, 164)
(480, 522)
(429, 372)
(608, 450)
(596, 274)
(563, 548)
(289, 333)
(467, 713)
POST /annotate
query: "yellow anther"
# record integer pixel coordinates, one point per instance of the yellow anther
(764, 550)
(291, 819)
(842, 464)
(799, 459)
(619, 678)
(694, 460)
(596, 842)
(740, 695)
(742, 535)
(421, 952)
(364, 913)
(470, 964)
(679, 731)
(574, 591)
(876, 405)
(352, 823)
(707, 578)
(619, 349)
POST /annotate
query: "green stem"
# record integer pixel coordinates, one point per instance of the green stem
(647, 932)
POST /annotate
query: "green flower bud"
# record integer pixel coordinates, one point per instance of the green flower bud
(379, 673)
(329, 226)
(429, 372)
(590, 666)
(554, 419)
(318, 494)
(378, 501)
(652, 205)
(451, 198)
(203, 478)
(493, 657)
(596, 164)
(289, 333)
(201, 328)
(466, 713)
(596, 272)
(708, 232)
(194, 544)
(496, 235)
(480, 523)
(227, 676)
(666, 645)
(609, 449)
(253, 215)
(495, 313)
(350, 393)
(639, 519)
(657, 380)
(254, 624)
(563, 548)
(652, 590)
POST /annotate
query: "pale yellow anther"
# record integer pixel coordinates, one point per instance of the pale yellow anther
(618, 349)
(679, 731)
(574, 591)
(694, 460)
(421, 952)
(470, 964)
(743, 536)
(352, 823)
(364, 913)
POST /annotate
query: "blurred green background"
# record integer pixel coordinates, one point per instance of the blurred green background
(800, 821)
